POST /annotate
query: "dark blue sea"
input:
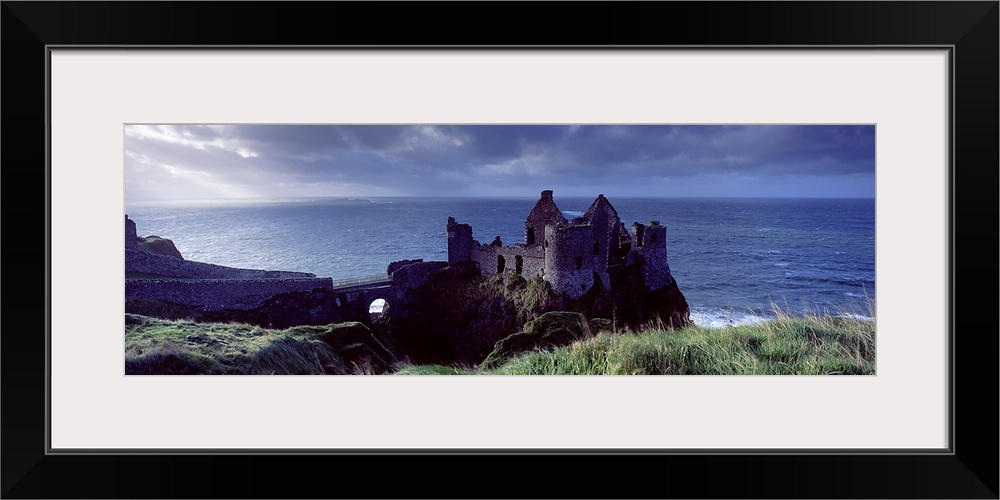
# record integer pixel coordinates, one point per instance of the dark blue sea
(733, 259)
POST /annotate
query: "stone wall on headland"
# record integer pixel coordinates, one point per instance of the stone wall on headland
(219, 294)
(204, 286)
(137, 261)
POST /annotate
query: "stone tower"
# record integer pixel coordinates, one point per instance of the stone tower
(650, 244)
(459, 242)
(570, 261)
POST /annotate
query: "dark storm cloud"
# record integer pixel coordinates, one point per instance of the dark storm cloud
(318, 160)
(501, 142)
(748, 150)
(291, 140)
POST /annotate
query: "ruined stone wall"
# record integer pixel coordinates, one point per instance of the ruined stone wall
(219, 294)
(570, 262)
(142, 262)
(486, 257)
(532, 260)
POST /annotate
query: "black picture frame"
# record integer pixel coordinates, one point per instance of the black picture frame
(968, 470)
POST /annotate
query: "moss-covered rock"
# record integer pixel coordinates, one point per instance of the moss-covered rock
(353, 343)
(550, 330)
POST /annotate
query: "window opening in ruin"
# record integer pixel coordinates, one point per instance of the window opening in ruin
(652, 238)
(531, 236)
(579, 262)
(597, 247)
(378, 308)
(546, 244)
(518, 264)
(501, 264)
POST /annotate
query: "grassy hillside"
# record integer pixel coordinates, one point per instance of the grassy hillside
(788, 345)
(161, 347)
(823, 345)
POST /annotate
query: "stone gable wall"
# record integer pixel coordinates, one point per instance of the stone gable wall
(545, 213)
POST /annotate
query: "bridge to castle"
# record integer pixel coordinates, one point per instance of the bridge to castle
(362, 283)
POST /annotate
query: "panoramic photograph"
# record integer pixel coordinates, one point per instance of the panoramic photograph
(428, 249)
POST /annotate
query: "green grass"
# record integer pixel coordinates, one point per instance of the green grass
(787, 345)
(162, 347)
(434, 370)
(812, 345)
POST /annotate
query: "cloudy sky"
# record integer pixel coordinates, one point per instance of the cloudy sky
(171, 162)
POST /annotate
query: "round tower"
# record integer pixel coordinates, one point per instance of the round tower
(569, 259)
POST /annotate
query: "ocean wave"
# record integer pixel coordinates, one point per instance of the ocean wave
(573, 213)
(721, 318)
(859, 317)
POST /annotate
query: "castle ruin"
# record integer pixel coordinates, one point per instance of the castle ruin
(572, 255)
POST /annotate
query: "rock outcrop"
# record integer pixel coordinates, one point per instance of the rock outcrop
(550, 330)
(158, 246)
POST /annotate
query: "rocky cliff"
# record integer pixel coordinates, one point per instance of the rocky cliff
(456, 316)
